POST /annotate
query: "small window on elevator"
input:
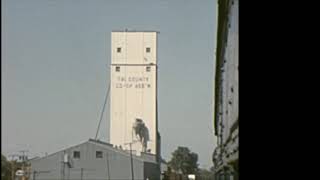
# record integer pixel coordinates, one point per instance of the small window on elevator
(148, 50)
(148, 69)
(119, 50)
(117, 68)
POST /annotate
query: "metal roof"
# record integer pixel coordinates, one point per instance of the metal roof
(109, 146)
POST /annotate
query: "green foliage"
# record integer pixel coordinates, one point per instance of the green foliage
(184, 161)
(5, 168)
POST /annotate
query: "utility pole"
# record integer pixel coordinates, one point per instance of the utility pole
(108, 165)
(34, 175)
(130, 144)
(132, 174)
(62, 170)
(23, 160)
(81, 173)
(131, 159)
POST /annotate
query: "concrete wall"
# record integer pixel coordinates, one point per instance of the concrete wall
(228, 106)
(231, 73)
(227, 96)
(92, 167)
(133, 87)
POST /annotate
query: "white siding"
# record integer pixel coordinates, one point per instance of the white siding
(133, 89)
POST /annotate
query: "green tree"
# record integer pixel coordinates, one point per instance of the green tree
(184, 161)
(5, 168)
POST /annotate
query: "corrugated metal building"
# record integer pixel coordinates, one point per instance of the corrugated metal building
(94, 160)
(226, 112)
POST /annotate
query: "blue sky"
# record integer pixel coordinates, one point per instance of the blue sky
(55, 60)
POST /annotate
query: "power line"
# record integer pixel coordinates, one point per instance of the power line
(102, 111)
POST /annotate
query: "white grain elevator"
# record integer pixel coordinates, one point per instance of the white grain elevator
(133, 94)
